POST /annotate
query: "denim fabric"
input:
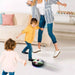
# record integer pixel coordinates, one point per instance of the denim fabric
(50, 32)
(29, 46)
(49, 28)
(41, 25)
(10, 73)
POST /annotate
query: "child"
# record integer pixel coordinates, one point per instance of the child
(10, 58)
(29, 37)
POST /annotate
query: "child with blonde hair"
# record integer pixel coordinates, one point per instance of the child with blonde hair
(29, 37)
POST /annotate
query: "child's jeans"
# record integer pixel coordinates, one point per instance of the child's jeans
(10, 73)
(29, 46)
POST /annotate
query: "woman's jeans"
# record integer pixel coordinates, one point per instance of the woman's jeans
(29, 46)
(10, 73)
(49, 28)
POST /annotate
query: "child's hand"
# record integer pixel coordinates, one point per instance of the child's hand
(25, 63)
(42, 29)
(64, 4)
(17, 37)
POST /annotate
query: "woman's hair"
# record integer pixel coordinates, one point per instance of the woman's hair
(33, 20)
(10, 44)
(34, 2)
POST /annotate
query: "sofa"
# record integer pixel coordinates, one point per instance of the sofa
(20, 22)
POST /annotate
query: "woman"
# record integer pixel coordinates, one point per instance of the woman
(41, 10)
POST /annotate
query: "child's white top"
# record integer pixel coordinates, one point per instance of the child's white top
(41, 7)
(9, 60)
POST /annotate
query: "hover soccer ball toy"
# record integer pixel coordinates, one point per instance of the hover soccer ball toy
(37, 62)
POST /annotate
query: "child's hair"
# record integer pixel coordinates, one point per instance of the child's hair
(10, 44)
(33, 20)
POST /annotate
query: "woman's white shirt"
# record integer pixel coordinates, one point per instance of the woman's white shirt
(41, 7)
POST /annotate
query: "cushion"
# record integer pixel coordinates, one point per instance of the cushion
(21, 19)
(8, 19)
(1, 18)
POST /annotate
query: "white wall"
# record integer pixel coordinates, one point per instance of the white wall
(14, 6)
(70, 5)
(20, 6)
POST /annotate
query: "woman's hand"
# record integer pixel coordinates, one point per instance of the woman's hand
(64, 4)
(29, 3)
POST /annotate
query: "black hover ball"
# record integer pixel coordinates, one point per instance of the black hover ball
(37, 62)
